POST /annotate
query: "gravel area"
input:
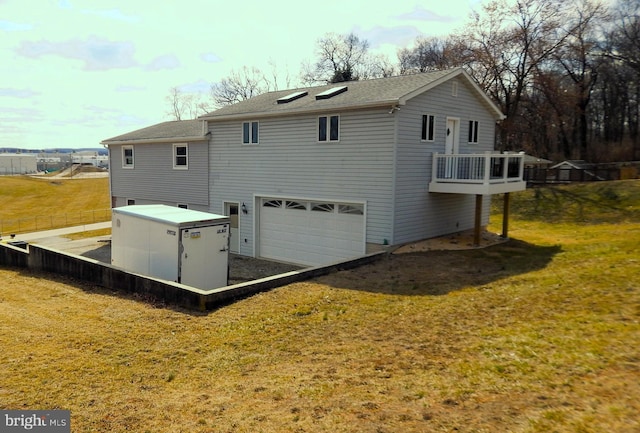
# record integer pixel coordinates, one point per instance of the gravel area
(241, 268)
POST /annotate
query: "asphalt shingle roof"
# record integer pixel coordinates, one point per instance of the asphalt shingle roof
(381, 92)
(365, 93)
(166, 130)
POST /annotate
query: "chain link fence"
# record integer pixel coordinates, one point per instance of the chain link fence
(49, 222)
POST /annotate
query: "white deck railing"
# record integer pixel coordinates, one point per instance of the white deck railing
(488, 170)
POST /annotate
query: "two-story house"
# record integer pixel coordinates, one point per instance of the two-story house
(316, 175)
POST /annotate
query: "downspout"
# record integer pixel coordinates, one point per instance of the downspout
(394, 109)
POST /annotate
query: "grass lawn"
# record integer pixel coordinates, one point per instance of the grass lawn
(539, 334)
(42, 203)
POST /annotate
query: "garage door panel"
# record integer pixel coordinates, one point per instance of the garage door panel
(310, 237)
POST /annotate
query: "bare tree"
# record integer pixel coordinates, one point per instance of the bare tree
(339, 58)
(175, 99)
(240, 85)
(185, 105)
(507, 44)
(580, 59)
(432, 54)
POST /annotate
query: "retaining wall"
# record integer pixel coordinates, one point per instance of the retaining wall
(40, 258)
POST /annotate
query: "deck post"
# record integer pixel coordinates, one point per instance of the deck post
(478, 221)
(505, 216)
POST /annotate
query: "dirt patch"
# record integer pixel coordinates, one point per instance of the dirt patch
(456, 241)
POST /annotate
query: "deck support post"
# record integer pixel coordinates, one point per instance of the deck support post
(478, 221)
(505, 216)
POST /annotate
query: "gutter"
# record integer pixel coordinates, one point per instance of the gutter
(287, 113)
(155, 140)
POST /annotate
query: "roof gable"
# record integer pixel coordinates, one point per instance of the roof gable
(380, 92)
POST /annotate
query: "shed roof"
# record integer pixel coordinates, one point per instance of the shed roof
(575, 163)
(185, 130)
(169, 214)
(381, 92)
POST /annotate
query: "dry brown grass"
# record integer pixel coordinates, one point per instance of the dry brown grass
(33, 204)
(539, 334)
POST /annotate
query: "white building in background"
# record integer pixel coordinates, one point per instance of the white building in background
(17, 163)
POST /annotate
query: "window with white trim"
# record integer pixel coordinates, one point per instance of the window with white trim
(428, 125)
(329, 128)
(127, 157)
(180, 156)
(250, 132)
(473, 131)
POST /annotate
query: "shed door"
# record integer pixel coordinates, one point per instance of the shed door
(311, 232)
(204, 256)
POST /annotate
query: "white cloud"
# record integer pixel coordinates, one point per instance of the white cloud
(210, 58)
(112, 14)
(166, 61)
(95, 52)
(9, 26)
(17, 93)
(421, 14)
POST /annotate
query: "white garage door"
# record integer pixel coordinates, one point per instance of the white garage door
(311, 232)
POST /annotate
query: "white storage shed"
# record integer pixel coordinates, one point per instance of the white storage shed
(182, 245)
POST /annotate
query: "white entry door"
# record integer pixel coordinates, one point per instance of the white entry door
(451, 145)
(311, 232)
(231, 210)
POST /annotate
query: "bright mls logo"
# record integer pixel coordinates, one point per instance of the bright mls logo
(37, 421)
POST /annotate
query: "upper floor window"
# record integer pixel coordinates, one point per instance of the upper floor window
(428, 123)
(180, 156)
(250, 132)
(473, 131)
(329, 128)
(127, 157)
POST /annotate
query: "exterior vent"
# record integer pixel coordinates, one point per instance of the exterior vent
(332, 92)
(292, 97)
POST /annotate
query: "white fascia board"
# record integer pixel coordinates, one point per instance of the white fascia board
(155, 140)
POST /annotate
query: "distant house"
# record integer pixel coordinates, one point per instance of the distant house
(575, 170)
(319, 174)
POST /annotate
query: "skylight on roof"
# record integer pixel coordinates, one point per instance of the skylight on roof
(330, 93)
(292, 97)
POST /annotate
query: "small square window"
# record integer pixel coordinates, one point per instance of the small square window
(180, 156)
(127, 157)
(473, 131)
(250, 132)
(428, 123)
(329, 128)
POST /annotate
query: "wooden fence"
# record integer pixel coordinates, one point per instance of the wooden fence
(535, 175)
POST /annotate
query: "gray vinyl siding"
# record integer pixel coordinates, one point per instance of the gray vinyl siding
(290, 162)
(154, 180)
(420, 214)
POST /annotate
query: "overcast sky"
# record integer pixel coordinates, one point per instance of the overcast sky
(75, 72)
